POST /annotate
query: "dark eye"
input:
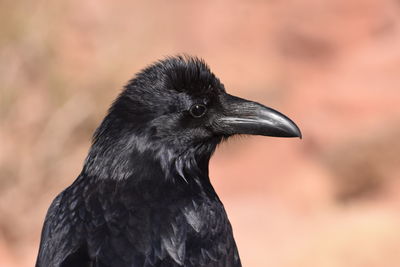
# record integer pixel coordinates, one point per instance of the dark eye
(198, 110)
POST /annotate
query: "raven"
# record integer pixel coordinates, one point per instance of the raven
(144, 197)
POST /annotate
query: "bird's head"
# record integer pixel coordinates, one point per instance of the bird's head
(174, 113)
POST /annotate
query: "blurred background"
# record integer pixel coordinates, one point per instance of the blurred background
(333, 66)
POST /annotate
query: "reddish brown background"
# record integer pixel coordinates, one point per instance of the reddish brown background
(329, 200)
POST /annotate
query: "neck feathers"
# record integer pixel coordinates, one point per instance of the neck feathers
(118, 154)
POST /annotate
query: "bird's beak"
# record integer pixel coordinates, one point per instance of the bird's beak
(241, 116)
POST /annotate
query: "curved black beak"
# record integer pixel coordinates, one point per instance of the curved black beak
(241, 116)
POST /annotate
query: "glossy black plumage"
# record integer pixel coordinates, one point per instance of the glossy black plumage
(144, 197)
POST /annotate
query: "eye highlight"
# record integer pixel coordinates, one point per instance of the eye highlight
(198, 110)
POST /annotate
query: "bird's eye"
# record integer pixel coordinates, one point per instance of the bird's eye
(198, 110)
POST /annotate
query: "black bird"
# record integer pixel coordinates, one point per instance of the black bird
(144, 197)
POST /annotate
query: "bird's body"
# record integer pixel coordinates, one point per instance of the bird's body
(120, 223)
(144, 198)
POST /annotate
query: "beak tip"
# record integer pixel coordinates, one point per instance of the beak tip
(297, 132)
(290, 129)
